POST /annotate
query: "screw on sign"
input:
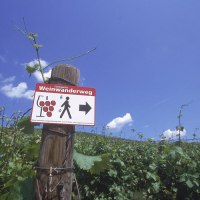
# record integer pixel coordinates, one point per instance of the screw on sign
(45, 106)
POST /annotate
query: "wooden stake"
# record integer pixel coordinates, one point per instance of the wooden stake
(55, 163)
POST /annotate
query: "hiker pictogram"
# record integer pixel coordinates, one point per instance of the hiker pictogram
(66, 108)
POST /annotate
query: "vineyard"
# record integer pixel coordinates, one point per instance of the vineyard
(129, 170)
(141, 170)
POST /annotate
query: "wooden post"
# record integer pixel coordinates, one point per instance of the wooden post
(55, 163)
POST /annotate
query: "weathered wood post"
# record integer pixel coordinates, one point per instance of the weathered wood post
(55, 163)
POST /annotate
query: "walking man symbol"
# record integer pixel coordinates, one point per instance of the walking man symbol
(66, 107)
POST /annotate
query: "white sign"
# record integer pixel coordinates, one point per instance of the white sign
(63, 104)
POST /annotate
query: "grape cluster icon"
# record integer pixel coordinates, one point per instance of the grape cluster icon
(47, 107)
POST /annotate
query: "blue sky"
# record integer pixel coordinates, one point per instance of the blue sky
(145, 67)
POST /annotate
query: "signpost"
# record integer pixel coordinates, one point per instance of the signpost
(63, 104)
(59, 105)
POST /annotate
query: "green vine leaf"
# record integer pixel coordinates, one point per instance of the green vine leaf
(94, 164)
(25, 125)
(37, 46)
(102, 165)
(31, 69)
(32, 36)
(21, 189)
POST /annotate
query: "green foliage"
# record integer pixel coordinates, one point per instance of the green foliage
(37, 46)
(20, 190)
(38, 67)
(18, 154)
(25, 125)
(32, 36)
(133, 170)
(94, 164)
(32, 69)
(17, 172)
(140, 170)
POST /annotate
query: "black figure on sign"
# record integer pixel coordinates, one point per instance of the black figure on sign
(66, 107)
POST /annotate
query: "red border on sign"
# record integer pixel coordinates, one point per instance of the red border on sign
(65, 89)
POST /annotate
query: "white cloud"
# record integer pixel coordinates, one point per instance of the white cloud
(170, 134)
(2, 59)
(20, 91)
(33, 62)
(119, 122)
(37, 74)
(9, 79)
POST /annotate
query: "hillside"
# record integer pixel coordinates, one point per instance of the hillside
(134, 170)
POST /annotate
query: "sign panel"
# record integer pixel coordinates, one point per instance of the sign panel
(63, 104)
